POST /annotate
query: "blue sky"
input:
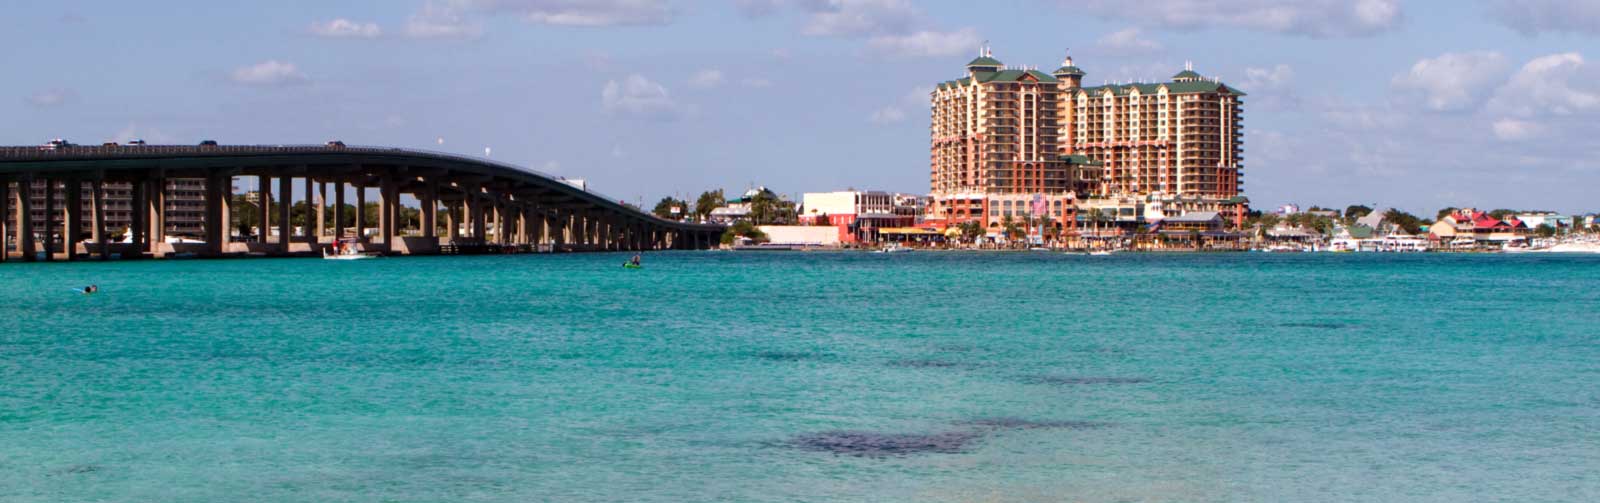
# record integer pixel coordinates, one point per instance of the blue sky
(1414, 104)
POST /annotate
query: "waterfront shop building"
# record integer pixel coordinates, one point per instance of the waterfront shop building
(1002, 133)
(860, 214)
(1470, 228)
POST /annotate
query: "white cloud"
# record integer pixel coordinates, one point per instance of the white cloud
(914, 99)
(887, 115)
(437, 21)
(268, 73)
(345, 28)
(1515, 130)
(1554, 85)
(580, 12)
(1453, 81)
(1128, 41)
(710, 77)
(638, 97)
(1532, 17)
(854, 18)
(51, 97)
(1268, 78)
(1315, 18)
(926, 43)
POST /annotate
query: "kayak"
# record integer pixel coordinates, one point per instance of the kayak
(632, 266)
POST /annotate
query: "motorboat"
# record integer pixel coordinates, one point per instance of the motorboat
(896, 248)
(347, 256)
(347, 251)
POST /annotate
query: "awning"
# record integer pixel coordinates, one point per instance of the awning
(908, 231)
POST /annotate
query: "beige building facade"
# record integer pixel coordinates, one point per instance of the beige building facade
(1002, 132)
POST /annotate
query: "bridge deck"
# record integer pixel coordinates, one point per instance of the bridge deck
(530, 210)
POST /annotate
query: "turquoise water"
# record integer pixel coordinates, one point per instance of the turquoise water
(804, 377)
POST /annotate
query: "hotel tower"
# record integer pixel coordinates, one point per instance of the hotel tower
(1002, 132)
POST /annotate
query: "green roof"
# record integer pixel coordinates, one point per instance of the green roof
(1080, 159)
(1237, 200)
(1014, 76)
(984, 61)
(1193, 87)
(962, 82)
(1187, 74)
(1069, 70)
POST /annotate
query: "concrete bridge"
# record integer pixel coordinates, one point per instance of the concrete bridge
(488, 206)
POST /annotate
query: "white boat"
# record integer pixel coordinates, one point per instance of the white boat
(346, 256)
(895, 248)
(1101, 253)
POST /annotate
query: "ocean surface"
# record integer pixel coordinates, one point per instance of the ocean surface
(721, 376)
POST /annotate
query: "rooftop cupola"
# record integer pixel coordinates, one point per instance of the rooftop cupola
(1188, 74)
(985, 61)
(1069, 73)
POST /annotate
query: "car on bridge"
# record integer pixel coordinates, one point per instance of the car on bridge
(110, 144)
(208, 143)
(335, 144)
(56, 144)
(136, 142)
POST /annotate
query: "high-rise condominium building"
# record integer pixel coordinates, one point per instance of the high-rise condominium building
(1001, 132)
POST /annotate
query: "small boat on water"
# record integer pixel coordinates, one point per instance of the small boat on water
(347, 251)
(895, 248)
(346, 256)
(1101, 253)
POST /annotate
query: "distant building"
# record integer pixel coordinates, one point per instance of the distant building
(1288, 209)
(1560, 223)
(1470, 227)
(857, 213)
(1003, 134)
(738, 209)
(185, 208)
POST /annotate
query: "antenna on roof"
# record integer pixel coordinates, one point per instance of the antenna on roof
(1188, 65)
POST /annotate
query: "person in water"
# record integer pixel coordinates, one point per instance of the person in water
(90, 289)
(635, 261)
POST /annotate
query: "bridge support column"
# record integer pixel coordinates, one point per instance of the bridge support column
(5, 217)
(388, 214)
(137, 215)
(322, 211)
(452, 222)
(286, 188)
(97, 208)
(430, 210)
(338, 210)
(25, 243)
(49, 219)
(361, 212)
(73, 232)
(310, 230)
(479, 225)
(522, 225)
(214, 216)
(157, 238)
(264, 209)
